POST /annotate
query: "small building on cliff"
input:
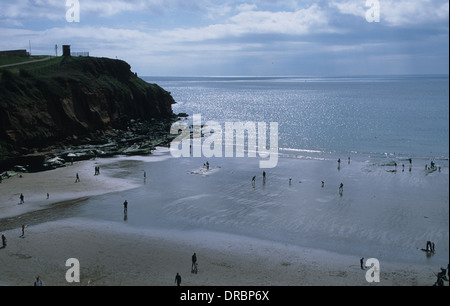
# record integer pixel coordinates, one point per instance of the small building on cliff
(22, 53)
(66, 50)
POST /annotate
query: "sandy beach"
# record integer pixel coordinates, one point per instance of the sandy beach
(115, 253)
(111, 255)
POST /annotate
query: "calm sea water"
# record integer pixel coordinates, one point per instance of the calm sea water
(360, 116)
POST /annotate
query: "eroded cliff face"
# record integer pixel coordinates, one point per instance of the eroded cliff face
(74, 98)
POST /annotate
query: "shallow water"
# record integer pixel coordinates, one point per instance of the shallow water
(381, 214)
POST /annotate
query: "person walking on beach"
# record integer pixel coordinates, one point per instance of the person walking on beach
(77, 179)
(341, 189)
(125, 207)
(23, 230)
(21, 199)
(361, 262)
(194, 262)
(3, 241)
(178, 279)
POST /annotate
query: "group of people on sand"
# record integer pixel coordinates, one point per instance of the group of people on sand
(194, 269)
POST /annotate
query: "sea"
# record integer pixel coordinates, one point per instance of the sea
(401, 116)
(385, 130)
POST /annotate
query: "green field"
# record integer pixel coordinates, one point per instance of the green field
(10, 60)
(38, 65)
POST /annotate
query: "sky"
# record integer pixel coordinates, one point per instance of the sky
(239, 38)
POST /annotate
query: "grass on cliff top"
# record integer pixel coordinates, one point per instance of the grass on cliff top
(11, 60)
(105, 72)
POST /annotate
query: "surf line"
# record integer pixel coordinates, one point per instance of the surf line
(226, 140)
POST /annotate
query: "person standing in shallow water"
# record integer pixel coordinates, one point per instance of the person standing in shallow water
(125, 207)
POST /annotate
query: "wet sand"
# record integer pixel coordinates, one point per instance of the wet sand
(112, 253)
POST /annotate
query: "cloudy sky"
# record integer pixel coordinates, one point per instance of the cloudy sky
(234, 37)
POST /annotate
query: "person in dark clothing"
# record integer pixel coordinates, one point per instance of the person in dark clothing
(194, 261)
(361, 261)
(125, 207)
(178, 279)
(3, 241)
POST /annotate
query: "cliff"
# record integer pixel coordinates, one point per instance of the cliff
(67, 100)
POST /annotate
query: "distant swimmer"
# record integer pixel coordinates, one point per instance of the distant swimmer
(290, 181)
(349, 160)
(341, 189)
